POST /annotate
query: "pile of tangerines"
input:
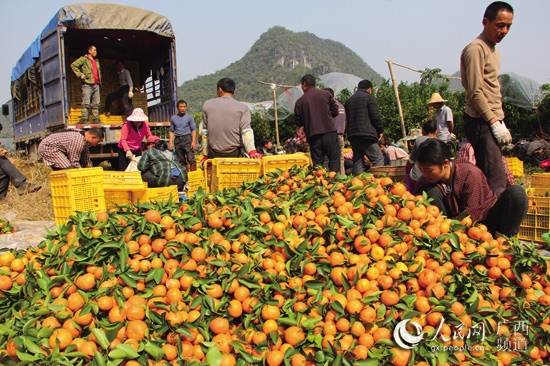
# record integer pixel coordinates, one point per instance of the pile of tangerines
(301, 267)
(5, 227)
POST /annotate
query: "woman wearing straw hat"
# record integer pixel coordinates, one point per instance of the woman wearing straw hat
(444, 117)
(132, 134)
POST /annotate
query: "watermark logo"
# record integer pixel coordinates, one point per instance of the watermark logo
(403, 338)
(410, 338)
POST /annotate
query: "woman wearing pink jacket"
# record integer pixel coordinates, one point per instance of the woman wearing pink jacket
(134, 130)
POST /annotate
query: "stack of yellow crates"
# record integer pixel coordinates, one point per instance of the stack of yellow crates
(76, 190)
(537, 220)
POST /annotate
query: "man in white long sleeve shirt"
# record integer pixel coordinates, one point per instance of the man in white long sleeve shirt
(125, 92)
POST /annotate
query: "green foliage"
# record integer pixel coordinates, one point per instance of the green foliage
(344, 95)
(263, 128)
(527, 123)
(523, 123)
(280, 56)
(198, 119)
(413, 103)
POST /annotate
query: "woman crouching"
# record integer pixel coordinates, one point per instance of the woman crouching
(458, 186)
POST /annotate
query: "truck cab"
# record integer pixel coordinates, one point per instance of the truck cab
(47, 95)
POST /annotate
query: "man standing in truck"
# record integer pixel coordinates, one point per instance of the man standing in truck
(87, 69)
(125, 92)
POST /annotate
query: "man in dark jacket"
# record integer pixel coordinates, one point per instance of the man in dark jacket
(364, 127)
(314, 113)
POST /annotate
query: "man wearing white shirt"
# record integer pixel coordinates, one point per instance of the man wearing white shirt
(125, 92)
(444, 117)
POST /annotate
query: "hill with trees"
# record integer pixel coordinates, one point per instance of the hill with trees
(280, 56)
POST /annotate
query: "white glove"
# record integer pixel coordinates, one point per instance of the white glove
(129, 155)
(501, 133)
(130, 94)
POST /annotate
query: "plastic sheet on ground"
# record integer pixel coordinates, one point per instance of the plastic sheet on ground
(28, 233)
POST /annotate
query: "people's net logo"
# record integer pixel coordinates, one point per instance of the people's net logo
(403, 338)
(408, 334)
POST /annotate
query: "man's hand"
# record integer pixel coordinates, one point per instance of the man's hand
(3, 153)
(129, 155)
(254, 154)
(501, 133)
(193, 145)
(171, 146)
(130, 94)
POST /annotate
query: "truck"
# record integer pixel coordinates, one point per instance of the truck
(47, 96)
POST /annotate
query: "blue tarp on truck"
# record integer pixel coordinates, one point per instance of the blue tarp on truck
(47, 96)
(95, 16)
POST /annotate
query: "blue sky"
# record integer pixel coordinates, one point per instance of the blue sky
(212, 34)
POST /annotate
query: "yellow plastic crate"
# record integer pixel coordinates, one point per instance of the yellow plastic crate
(516, 166)
(76, 190)
(208, 175)
(195, 180)
(308, 155)
(537, 220)
(233, 172)
(113, 197)
(540, 184)
(122, 181)
(540, 180)
(163, 194)
(271, 163)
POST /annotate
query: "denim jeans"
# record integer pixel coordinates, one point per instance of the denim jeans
(90, 98)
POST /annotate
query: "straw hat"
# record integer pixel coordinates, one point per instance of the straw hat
(436, 98)
(414, 133)
(138, 116)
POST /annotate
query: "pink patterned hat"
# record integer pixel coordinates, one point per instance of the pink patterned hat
(138, 116)
(153, 139)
